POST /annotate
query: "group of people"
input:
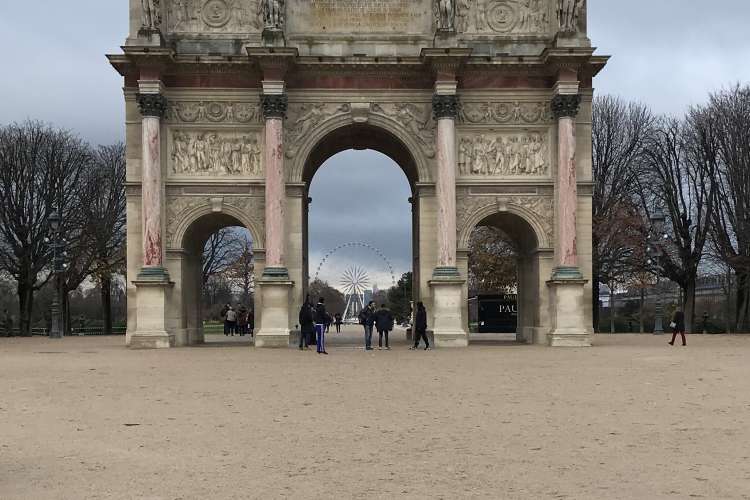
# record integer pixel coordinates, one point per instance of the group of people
(315, 322)
(239, 320)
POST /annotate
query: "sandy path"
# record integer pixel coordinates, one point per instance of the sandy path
(84, 418)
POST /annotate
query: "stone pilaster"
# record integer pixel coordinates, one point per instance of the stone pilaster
(275, 283)
(447, 284)
(567, 282)
(153, 283)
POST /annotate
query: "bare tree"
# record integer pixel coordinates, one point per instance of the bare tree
(220, 251)
(104, 219)
(493, 261)
(40, 167)
(730, 113)
(619, 133)
(240, 272)
(683, 161)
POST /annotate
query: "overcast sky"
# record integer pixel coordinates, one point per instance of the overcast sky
(667, 53)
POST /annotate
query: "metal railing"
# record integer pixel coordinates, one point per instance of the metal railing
(75, 332)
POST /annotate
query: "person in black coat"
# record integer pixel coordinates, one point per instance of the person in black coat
(420, 327)
(679, 327)
(384, 324)
(321, 318)
(306, 324)
(367, 319)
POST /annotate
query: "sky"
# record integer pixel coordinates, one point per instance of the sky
(668, 54)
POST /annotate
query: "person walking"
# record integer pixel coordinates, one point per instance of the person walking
(231, 321)
(367, 319)
(678, 326)
(306, 324)
(242, 321)
(251, 321)
(8, 324)
(329, 322)
(338, 322)
(321, 316)
(384, 324)
(420, 328)
(223, 314)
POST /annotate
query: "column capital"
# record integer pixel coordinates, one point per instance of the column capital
(152, 104)
(274, 105)
(445, 106)
(566, 105)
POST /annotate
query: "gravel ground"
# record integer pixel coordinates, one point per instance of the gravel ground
(632, 418)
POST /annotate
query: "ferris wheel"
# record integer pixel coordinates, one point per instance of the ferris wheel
(357, 244)
(354, 282)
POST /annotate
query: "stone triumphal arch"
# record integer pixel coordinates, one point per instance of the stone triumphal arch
(231, 106)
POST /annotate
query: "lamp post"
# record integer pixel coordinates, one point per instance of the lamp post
(57, 244)
(655, 253)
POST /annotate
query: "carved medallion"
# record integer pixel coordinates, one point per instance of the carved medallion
(216, 13)
(514, 112)
(213, 112)
(502, 17)
(505, 16)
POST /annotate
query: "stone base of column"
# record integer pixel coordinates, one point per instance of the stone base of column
(274, 330)
(448, 329)
(152, 287)
(569, 327)
(273, 37)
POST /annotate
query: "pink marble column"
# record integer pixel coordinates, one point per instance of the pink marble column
(565, 108)
(274, 109)
(152, 108)
(445, 108)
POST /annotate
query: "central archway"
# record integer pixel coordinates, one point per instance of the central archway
(362, 137)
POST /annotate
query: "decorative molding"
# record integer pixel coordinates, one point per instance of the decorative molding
(214, 112)
(213, 16)
(304, 117)
(566, 105)
(537, 211)
(445, 106)
(416, 119)
(505, 113)
(504, 155)
(152, 104)
(183, 211)
(274, 105)
(509, 17)
(214, 153)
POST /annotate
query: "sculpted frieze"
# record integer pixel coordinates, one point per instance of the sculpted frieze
(504, 155)
(415, 118)
(504, 16)
(213, 16)
(302, 118)
(214, 153)
(179, 207)
(213, 112)
(502, 113)
(541, 208)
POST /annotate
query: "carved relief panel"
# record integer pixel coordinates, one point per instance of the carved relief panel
(214, 112)
(214, 153)
(505, 17)
(504, 154)
(213, 16)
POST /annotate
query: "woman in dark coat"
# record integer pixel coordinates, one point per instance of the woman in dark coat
(420, 327)
(679, 327)
(306, 324)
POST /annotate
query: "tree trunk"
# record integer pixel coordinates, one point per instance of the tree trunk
(689, 300)
(728, 302)
(742, 302)
(597, 304)
(25, 305)
(641, 326)
(612, 309)
(106, 296)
